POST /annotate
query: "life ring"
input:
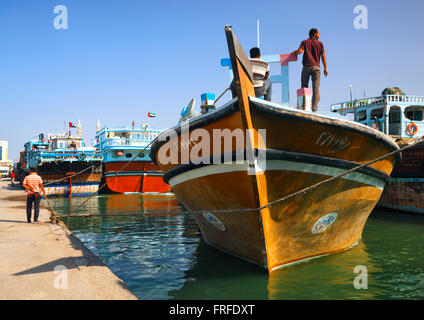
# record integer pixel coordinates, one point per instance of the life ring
(412, 133)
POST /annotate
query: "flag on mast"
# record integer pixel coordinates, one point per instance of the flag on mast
(151, 114)
(71, 125)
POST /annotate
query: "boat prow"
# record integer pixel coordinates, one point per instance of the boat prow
(230, 183)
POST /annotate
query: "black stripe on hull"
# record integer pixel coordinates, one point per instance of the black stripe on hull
(283, 155)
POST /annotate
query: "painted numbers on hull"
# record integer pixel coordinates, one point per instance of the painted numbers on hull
(336, 143)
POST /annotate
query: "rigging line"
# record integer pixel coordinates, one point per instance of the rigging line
(221, 95)
(342, 174)
(116, 173)
(420, 140)
(65, 178)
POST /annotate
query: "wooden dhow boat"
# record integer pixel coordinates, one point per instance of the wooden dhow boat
(67, 166)
(401, 117)
(126, 165)
(224, 191)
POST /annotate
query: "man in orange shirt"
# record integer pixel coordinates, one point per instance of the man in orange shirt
(34, 185)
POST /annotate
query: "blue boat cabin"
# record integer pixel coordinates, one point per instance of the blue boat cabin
(396, 115)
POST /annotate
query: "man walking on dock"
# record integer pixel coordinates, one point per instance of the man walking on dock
(313, 52)
(34, 185)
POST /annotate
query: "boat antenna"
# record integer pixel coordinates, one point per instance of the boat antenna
(257, 31)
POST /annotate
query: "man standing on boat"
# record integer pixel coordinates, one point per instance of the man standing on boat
(261, 81)
(313, 52)
(34, 185)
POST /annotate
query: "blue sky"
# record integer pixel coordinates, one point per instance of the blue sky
(119, 60)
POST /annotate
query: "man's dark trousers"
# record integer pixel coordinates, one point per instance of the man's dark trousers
(33, 198)
(315, 73)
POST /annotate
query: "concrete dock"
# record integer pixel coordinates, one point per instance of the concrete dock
(45, 261)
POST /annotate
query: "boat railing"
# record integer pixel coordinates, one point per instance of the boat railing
(405, 99)
(346, 105)
(67, 155)
(147, 130)
(391, 98)
(116, 142)
(119, 129)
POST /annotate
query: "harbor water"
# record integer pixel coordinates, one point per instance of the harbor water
(161, 255)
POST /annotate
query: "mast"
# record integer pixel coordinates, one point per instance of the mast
(257, 31)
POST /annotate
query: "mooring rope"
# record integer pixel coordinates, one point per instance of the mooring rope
(116, 173)
(71, 176)
(302, 191)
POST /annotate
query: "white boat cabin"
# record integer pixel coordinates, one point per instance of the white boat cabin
(66, 143)
(396, 115)
(125, 136)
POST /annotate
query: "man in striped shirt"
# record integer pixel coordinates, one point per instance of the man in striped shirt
(34, 185)
(261, 81)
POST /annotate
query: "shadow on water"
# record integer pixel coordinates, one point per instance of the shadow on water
(162, 256)
(218, 275)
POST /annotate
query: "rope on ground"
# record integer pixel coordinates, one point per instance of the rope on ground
(53, 214)
(302, 191)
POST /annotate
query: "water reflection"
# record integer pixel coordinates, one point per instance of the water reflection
(161, 255)
(329, 277)
(218, 275)
(395, 243)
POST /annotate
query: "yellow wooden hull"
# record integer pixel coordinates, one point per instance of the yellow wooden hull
(283, 234)
(301, 149)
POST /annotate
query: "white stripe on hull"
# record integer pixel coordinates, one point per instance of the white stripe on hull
(128, 173)
(272, 165)
(76, 189)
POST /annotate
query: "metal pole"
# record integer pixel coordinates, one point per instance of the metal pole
(257, 31)
(70, 187)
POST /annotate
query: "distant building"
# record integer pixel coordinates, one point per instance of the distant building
(5, 164)
(3, 150)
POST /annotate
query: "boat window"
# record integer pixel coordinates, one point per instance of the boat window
(128, 155)
(377, 113)
(362, 115)
(141, 155)
(415, 115)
